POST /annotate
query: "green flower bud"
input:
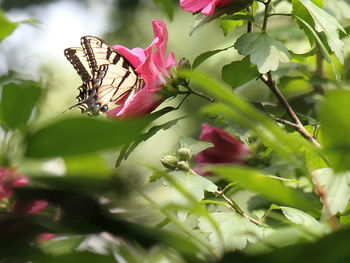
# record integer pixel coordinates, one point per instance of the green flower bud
(169, 161)
(183, 165)
(184, 153)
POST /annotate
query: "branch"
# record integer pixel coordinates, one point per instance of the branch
(266, 15)
(249, 24)
(269, 82)
(234, 206)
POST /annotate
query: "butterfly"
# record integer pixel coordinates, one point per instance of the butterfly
(107, 76)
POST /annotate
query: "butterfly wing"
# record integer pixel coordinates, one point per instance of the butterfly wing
(78, 59)
(112, 76)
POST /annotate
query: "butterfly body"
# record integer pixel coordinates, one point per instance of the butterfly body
(106, 75)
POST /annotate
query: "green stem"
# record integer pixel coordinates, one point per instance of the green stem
(235, 207)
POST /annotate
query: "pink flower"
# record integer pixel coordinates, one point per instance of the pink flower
(226, 149)
(206, 7)
(153, 65)
(29, 207)
(9, 179)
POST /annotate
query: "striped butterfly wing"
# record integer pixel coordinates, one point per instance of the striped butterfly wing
(112, 76)
(78, 59)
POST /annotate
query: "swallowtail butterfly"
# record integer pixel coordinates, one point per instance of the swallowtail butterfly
(106, 75)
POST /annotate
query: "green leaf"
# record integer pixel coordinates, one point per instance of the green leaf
(330, 248)
(270, 188)
(168, 6)
(292, 87)
(265, 51)
(302, 58)
(81, 135)
(7, 27)
(335, 129)
(229, 23)
(129, 148)
(233, 108)
(204, 56)
(324, 22)
(17, 102)
(195, 145)
(62, 246)
(336, 187)
(90, 164)
(298, 217)
(340, 8)
(239, 72)
(237, 231)
(192, 184)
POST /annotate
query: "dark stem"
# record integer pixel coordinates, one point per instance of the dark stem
(249, 24)
(285, 122)
(319, 72)
(269, 82)
(279, 14)
(266, 15)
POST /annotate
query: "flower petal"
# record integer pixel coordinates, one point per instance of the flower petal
(142, 103)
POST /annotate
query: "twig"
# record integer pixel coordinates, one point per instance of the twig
(269, 82)
(285, 122)
(280, 14)
(234, 206)
(249, 24)
(266, 15)
(198, 93)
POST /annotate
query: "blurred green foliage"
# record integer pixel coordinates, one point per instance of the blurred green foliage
(290, 199)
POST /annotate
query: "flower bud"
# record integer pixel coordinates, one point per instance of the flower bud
(184, 153)
(169, 161)
(183, 165)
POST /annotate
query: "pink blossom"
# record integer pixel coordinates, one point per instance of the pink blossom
(28, 207)
(226, 149)
(45, 237)
(206, 7)
(10, 179)
(153, 65)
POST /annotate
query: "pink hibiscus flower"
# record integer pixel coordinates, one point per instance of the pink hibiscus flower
(206, 7)
(226, 149)
(153, 65)
(9, 179)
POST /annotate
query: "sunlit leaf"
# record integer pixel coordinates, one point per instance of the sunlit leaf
(17, 102)
(336, 187)
(80, 136)
(239, 72)
(237, 231)
(7, 27)
(194, 184)
(230, 22)
(270, 188)
(298, 217)
(324, 22)
(265, 51)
